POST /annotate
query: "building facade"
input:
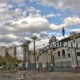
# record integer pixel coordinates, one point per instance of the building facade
(61, 59)
(2, 51)
(11, 51)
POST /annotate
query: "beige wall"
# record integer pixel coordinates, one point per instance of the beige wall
(2, 51)
(11, 51)
(66, 58)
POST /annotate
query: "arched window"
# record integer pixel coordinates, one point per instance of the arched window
(63, 53)
(69, 55)
(59, 54)
(78, 53)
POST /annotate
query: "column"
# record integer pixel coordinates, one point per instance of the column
(44, 62)
(74, 61)
(37, 65)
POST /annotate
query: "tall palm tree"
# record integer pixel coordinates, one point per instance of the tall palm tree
(34, 39)
(6, 51)
(25, 47)
(73, 37)
(15, 52)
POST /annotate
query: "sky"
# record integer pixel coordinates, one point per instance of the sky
(22, 19)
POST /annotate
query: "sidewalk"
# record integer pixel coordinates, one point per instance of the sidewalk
(52, 74)
(63, 74)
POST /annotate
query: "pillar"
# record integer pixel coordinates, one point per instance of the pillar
(74, 61)
(26, 65)
(44, 62)
(37, 66)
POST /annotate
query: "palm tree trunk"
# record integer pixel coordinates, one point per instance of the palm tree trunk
(15, 52)
(24, 59)
(34, 53)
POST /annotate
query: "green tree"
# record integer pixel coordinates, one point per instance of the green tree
(34, 39)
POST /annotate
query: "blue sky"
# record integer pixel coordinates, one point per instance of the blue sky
(22, 19)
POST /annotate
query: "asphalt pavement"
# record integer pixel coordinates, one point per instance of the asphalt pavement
(32, 75)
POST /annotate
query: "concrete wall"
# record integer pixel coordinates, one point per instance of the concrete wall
(10, 51)
(2, 51)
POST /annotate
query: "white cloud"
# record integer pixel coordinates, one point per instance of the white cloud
(58, 34)
(18, 11)
(18, 2)
(67, 23)
(62, 37)
(39, 44)
(11, 36)
(15, 22)
(63, 4)
(32, 9)
(19, 53)
(31, 24)
(49, 16)
(75, 30)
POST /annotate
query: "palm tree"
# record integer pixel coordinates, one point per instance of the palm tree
(34, 39)
(15, 52)
(6, 52)
(25, 47)
(73, 37)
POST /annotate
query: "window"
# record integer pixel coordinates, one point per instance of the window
(63, 53)
(78, 53)
(69, 55)
(58, 54)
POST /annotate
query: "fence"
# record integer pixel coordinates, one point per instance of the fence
(63, 66)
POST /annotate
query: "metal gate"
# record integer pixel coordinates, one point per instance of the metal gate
(40, 67)
(31, 66)
(50, 67)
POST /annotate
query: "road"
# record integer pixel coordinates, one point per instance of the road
(32, 75)
(57, 78)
